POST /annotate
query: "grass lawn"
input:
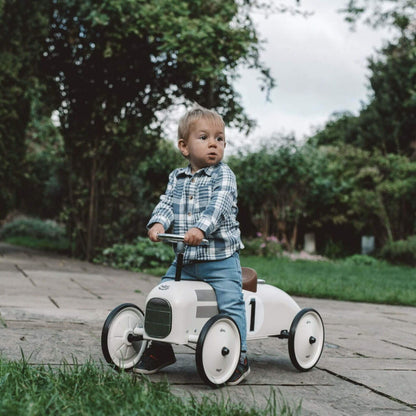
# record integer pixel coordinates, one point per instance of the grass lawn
(342, 280)
(91, 389)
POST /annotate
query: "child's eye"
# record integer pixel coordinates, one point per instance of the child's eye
(203, 137)
(220, 139)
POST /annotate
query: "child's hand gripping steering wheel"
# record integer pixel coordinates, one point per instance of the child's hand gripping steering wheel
(178, 239)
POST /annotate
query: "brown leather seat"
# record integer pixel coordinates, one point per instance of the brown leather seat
(249, 279)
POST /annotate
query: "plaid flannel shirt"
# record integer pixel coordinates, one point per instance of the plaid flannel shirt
(206, 200)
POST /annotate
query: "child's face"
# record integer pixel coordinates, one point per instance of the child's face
(205, 144)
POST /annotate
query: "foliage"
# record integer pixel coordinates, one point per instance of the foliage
(400, 14)
(268, 246)
(341, 128)
(43, 189)
(333, 249)
(375, 193)
(401, 251)
(387, 123)
(37, 234)
(314, 187)
(137, 193)
(271, 182)
(23, 29)
(33, 227)
(113, 66)
(361, 260)
(91, 389)
(373, 177)
(147, 182)
(141, 254)
(342, 279)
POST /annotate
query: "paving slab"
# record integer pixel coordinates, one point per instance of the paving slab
(52, 309)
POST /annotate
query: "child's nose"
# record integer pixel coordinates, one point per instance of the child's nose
(212, 141)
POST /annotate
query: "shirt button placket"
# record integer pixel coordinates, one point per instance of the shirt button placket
(191, 197)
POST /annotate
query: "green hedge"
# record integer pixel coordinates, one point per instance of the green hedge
(400, 252)
(141, 254)
(34, 228)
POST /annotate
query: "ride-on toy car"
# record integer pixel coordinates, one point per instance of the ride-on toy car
(185, 313)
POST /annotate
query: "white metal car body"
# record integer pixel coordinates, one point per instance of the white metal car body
(176, 311)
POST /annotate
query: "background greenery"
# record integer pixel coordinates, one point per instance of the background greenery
(36, 233)
(112, 71)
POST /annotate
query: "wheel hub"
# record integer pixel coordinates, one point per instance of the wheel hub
(225, 351)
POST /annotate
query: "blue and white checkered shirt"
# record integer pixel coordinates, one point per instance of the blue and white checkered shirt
(206, 200)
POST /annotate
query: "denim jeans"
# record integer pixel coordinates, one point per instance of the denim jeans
(225, 278)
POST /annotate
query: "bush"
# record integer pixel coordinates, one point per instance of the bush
(400, 252)
(33, 228)
(333, 250)
(361, 260)
(141, 254)
(264, 247)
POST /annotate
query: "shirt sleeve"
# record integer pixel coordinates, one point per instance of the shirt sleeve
(224, 197)
(163, 212)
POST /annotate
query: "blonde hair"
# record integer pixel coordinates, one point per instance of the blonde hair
(196, 113)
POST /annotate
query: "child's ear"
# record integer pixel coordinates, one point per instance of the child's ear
(183, 147)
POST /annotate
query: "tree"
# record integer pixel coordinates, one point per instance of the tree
(341, 128)
(400, 14)
(23, 29)
(388, 121)
(113, 65)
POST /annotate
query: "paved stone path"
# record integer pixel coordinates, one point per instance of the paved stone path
(52, 308)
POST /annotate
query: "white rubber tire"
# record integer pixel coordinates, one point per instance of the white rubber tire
(306, 339)
(218, 350)
(118, 350)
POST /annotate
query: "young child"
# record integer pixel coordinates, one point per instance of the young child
(201, 202)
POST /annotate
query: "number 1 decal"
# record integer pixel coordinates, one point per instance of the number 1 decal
(253, 314)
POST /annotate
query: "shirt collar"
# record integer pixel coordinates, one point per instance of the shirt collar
(188, 172)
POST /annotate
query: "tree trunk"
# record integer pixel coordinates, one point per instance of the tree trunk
(265, 223)
(91, 226)
(294, 238)
(384, 217)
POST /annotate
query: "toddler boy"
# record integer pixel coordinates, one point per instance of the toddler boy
(201, 202)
